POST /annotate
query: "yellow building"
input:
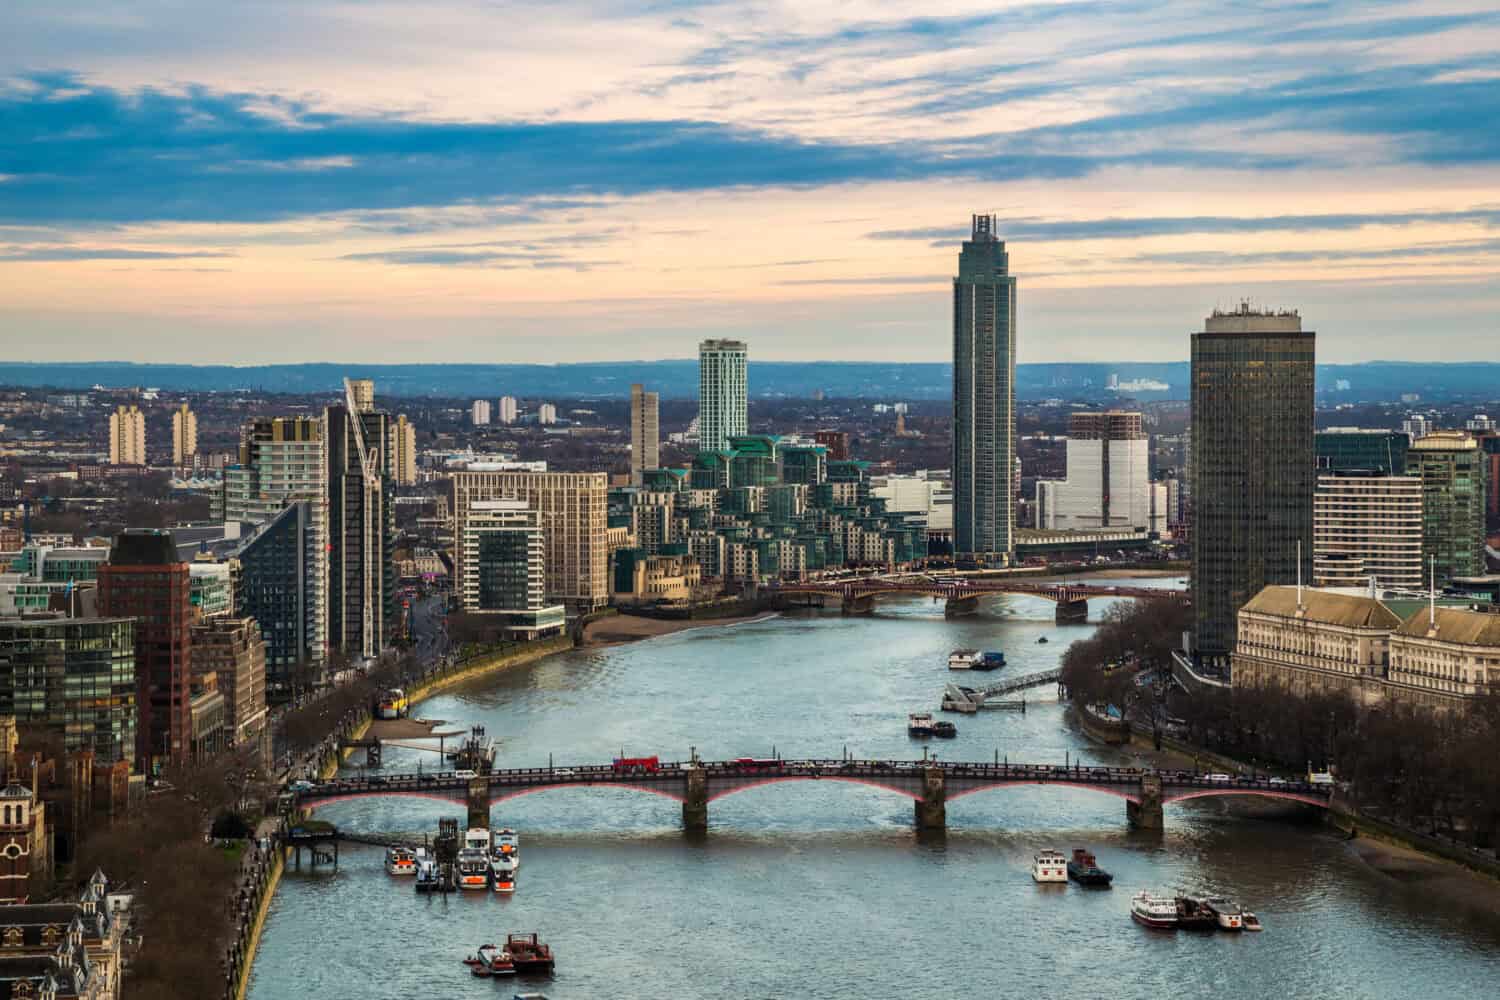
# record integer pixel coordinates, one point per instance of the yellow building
(403, 452)
(1447, 652)
(127, 436)
(184, 435)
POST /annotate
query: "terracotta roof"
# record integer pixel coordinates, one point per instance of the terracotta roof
(1467, 628)
(1324, 607)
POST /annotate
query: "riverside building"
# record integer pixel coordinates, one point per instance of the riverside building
(361, 528)
(1367, 528)
(1252, 465)
(1108, 484)
(984, 399)
(722, 393)
(1451, 468)
(504, 575)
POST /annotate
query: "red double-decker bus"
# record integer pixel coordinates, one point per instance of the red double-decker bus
(637, 765)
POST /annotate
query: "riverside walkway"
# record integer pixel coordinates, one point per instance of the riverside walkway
(930, 784)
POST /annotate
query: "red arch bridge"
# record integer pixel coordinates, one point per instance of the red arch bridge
(857, 597)
(929, 784)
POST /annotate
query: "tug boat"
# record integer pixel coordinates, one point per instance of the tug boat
(1049, 866)
(920, 724)
(1228, 915)
(1251, 921)
(529, 955)
(491, 960)
(1159, 912)
(1084, 870)
(473, 870)
(505, 844)
(400, 861)
(503, 875)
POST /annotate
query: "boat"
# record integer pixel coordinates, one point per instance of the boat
(491, 961)
(989, 660)
(1049, 866)
(400, 861)
(1228, 914)
(477, 839)
(529, 954)
(1041, 639)
(429, 876)
(1251, 921)
(473, 870)
(503, 874)
(1085, 870)
(946, 730)
(963, 659)
(506, 844)
(1193, 914)
(1159, 912)
(919, 724)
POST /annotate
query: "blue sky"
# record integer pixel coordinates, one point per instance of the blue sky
(478, 181)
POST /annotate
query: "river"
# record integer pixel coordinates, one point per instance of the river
(821, 889)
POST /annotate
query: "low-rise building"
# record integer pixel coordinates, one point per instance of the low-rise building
(65, 951)
(1447, 653)
(645, 578)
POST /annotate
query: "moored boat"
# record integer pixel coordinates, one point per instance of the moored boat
(944, 729)
(503, 874)
(473, 870)
(1085, 870)
(1251, 921)
(506, 844)
(989, 660)
(1193, 914)
(491, 961)
(429, 877)
(919, 724)
(1228, 914)
(1159, 912)
(400, 861)
(1049, 866)
(529, 954)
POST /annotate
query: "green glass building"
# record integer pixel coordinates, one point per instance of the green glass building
(1452, 468)
(74, 677)
(1356, 449)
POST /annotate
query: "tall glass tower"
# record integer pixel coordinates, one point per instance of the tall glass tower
(984, 399)
(1253, 464)
(721, 393)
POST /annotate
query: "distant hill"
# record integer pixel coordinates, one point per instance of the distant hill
(1374, 381)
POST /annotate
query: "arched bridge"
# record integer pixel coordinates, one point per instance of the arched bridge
(929, 784)
(962, 597)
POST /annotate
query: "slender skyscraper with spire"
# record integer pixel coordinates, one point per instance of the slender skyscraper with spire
(984, 399)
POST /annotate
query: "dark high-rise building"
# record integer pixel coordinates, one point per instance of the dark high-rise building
(281, 578)
(1452, 468)
(146, 580)
(984, 400)
(361, 528)
(1355, 449)
(1252, 464)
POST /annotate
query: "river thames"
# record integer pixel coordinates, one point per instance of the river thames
(821, 889)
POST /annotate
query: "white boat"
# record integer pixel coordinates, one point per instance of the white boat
(1049, 866)
(963, 659)
(477, 839)
(1228, 914)
(473, 870)
(1154, 911)
(506, 844)
(400, 861)
(503, 874)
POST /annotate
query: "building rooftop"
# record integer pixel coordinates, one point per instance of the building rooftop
(1324, 607)
(144, 548)
(1458, 625)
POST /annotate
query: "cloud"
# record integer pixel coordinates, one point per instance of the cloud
(72, 253)
(1028, 228)
(1229, 258)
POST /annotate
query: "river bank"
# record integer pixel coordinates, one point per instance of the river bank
(621, 629)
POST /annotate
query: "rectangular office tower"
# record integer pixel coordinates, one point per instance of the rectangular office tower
(1367, 527)
(722, 393)
(645, 435)
(361, 528)
(984, 399)
(1252, 464)
(1451, 468)
(504, 560)
(1109, 478)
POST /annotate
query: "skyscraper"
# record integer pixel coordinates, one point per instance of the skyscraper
(146, 580)
(1367, 525)
(479, 413)
(362, 391)
(184, 435)
(403, 468)
(1452, 469)
(361, 528)
(1108, 483)
(127, 436)
(984, 400)
(1252, 464)
(645, 438)
(722, 393)
(546, 414)
(504, 559)
(509, 409)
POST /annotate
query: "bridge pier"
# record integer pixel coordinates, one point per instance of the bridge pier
(1146, 814)
(858, 605)
(478, 797)
(931, 810)
(1072, 611)
(695, 803)
(959, 607)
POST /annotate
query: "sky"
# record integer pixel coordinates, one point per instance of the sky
(256, 181)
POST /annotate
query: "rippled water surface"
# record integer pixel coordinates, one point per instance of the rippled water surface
(820, 889)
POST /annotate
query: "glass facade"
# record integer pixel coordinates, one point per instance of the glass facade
(1452, 469)
(984, 402)
(1252, 465)
(1356, 450)
(75, 677)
